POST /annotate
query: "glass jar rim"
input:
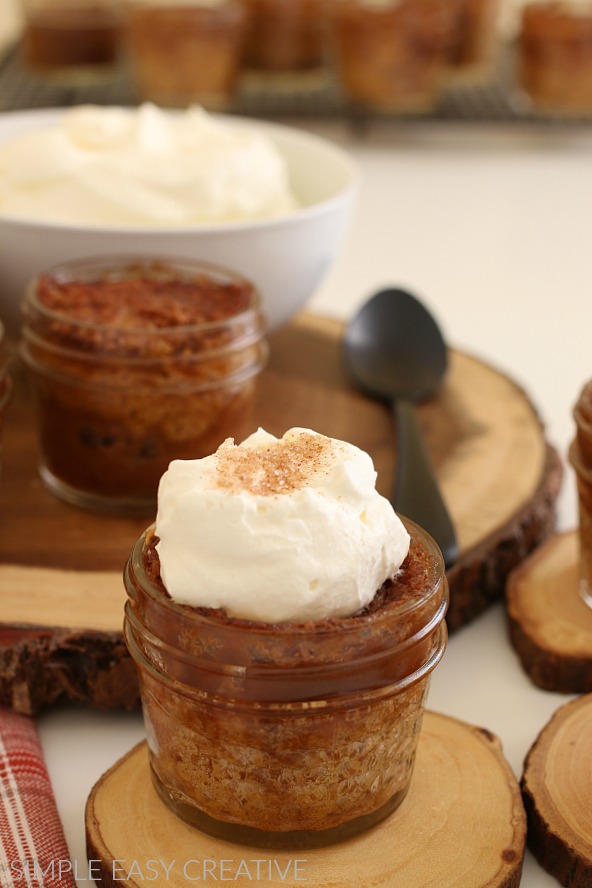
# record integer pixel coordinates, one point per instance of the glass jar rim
(270, 669)
(318, 628)
(279, 662)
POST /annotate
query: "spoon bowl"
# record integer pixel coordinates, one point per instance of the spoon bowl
(394, 350)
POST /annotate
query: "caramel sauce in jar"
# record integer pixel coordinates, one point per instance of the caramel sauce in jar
(133, 364)
(291, 734)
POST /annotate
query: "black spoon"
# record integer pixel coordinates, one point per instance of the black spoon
(394, 350)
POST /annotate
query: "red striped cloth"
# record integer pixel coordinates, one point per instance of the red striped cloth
(33, 850)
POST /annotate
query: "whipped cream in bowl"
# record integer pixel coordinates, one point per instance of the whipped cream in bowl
(277, 530)
(236, 192)
(123, 166)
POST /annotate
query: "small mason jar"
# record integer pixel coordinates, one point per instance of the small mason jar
(580, 457)
(186, 51)
(72, 40)
(474, 41)
(390, 56)
(286, 39)
(134, 363)
(286, 735)
(554, 57)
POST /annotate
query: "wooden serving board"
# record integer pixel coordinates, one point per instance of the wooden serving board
(462, 825)
(61, 593)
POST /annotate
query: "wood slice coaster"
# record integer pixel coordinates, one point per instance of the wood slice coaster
(550, 626)
(462, 825)
(61, 593)
(557, 793)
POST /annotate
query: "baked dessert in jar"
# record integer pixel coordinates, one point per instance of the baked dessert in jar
(474, 41)
(5, 377)
(72, 40)
(285, 37)
(133, 363)
(285, 624)
(554, 56)
(184, 52)
(391, 55)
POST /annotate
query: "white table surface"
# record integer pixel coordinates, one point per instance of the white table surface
(492, 227)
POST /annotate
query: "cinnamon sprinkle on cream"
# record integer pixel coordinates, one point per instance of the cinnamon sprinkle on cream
(279, 467)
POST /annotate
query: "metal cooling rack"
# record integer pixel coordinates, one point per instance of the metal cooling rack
(19, 89)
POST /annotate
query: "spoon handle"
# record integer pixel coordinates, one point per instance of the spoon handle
(416, 493)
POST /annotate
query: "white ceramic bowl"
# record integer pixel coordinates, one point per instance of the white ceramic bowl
(286, 258)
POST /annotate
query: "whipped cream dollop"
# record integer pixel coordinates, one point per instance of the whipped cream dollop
(143, 167)
(277, 530)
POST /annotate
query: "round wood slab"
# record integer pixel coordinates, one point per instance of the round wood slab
(462, 825)
(557, 792)
(61, 593)
(550, 625)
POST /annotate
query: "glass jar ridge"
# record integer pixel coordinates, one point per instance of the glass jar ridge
(243, 718)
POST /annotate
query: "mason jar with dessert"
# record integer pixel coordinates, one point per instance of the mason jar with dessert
(391, 56)
(475, 41)
(72, 41)
(285, 623)
(133, 363)
(286, 40)
(554, 57)
(185, 51)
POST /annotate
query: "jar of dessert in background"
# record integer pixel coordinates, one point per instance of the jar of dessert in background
(75, 41)
(244, 717)
(580, 457)
(5, 377)
(391, 55)
(133, 363)
(286, 41)
(185, 51)
(475, 41)
(554, 57)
